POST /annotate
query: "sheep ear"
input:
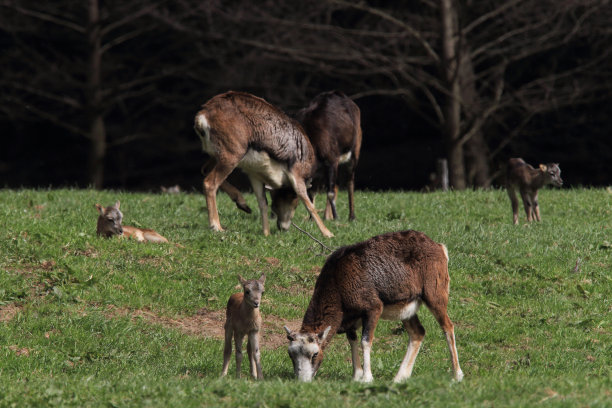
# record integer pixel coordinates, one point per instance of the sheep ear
(543, 167)
(117, 204)
(262, 278)
(100, 209)
(323, 336)
(241, 279)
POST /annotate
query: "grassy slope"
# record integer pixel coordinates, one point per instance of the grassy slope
(530, 330)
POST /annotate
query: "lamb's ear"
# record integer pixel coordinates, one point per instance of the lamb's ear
(117, 204)
(290, 334)
(100, 209)
(262, 278)
(543, 167)
(241, 279)
(323, 336)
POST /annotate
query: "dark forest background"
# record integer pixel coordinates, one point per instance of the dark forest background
(103, 92)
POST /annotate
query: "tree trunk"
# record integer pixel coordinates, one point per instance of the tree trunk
(97, 130)
(442, 170)
(476, 158)
(452, 103)
(97, 152)
(476, 150)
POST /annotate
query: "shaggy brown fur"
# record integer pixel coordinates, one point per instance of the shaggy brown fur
(332, 121)
(241, 130)
(385, 276)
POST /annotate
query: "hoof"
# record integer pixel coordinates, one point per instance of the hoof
(244, 207)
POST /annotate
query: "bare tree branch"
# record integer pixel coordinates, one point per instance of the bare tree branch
(45, 16)
(406, 27)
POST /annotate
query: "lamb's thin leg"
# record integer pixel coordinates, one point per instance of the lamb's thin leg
(536, 206)
(251, 358)
(238, 340)
(416, 331)
(527, 204)
(227, 350)
(515, 204)
(255, 355)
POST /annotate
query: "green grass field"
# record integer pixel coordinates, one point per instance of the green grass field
(86, 321)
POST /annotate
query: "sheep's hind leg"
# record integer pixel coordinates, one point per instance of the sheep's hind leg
(227, 351)
(416, 332)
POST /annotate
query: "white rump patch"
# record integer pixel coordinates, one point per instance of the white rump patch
(202, 123)
(344, 158)
(445, 251)
(400, 312)
(202, 128)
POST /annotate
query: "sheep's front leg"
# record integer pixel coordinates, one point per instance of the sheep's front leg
(255, 356)
(238, 340)
(260, 193)
(300, 189)
(351, 335)
(367, 337)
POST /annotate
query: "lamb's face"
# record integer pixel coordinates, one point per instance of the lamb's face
(305, 350)
(253, 290)
(113, 218)
(553, 174)
(109, 220)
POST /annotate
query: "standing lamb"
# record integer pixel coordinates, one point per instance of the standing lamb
(243, 319)
(529, 180)
(388, 276)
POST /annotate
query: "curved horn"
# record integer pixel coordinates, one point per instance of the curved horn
(290, 334)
